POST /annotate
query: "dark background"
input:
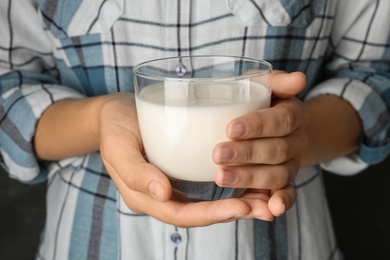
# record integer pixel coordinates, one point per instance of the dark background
(360, 206)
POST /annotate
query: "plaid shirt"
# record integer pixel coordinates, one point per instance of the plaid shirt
(56, 49)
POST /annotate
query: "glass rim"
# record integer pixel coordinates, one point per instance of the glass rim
(267, 70)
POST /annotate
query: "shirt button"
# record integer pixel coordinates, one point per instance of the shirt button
(176, 238)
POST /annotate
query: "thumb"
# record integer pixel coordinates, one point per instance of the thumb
(286, 85)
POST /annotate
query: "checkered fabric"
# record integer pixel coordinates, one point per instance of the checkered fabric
(57, 49)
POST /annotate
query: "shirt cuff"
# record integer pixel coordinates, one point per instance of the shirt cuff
(374, 146)
(21, 109)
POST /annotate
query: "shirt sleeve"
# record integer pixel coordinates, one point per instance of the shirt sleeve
(28, 85)
(358, 71)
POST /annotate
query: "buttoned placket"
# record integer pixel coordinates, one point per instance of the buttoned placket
(184, 28)
(178, 237)
(178, 240)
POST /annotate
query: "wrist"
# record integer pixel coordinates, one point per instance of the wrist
(69, 128)
(334, 129)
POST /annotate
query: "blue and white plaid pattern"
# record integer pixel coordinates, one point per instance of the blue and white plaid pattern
(57, 49)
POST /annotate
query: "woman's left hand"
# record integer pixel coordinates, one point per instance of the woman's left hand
(265, 148)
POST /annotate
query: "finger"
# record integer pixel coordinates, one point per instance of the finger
(260, 151)
(281, 83)
(183, 214)
(138, 175)
(120, 150)
(257, 176)
(282, 200)
(141, 177)
(280, 120)
(286, 85)
(205, 213)
(257, 200)
(259, 206)
(187, 215)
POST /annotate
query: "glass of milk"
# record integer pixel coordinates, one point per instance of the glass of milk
(184, 105)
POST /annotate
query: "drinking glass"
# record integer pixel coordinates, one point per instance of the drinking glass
(184, 105)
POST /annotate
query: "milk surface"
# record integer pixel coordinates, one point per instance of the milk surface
(181, 123)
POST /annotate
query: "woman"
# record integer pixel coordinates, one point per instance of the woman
(68, 116)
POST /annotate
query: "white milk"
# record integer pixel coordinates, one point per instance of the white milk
(179, 138)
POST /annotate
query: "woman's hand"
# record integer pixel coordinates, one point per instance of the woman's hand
(266, 146)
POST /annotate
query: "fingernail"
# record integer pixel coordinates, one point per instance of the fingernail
(228, 178)
(237, 131)
(240, 216)
(225, 154)
(299, 72)
(156, 190)
(283, 209)
(265, 219)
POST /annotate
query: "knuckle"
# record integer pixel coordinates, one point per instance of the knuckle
(129, 181)
(247, 153)
(289, 121)
(249, 179)
(284, 177)
(283, 151)
(281, 178)
(291, 169)
(258, 126)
